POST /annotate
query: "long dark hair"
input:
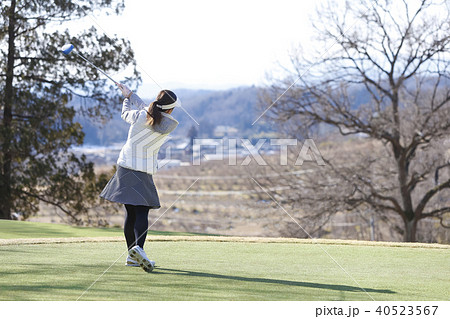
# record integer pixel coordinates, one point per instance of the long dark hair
(165, 97)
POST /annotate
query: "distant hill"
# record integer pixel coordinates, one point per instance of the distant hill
(235, 107)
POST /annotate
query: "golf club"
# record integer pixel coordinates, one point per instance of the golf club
(67, 48)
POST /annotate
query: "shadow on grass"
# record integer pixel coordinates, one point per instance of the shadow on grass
(273, 281)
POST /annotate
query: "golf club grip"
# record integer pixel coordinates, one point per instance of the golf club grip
(115, 82)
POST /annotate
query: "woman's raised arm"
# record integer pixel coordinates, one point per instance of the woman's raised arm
(133, 97)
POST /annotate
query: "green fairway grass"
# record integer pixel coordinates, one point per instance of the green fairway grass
(216, 270)
(10, 229)
(223, 271)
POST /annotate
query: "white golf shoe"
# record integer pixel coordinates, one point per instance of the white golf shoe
(131, 262)
(138, 254)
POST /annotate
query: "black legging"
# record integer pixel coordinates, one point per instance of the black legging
(136, 225)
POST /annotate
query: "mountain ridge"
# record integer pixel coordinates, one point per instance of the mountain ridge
(202, 109)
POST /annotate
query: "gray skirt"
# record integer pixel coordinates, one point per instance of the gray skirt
(131, 187)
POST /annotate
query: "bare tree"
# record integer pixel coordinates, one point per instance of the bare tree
(382, 73)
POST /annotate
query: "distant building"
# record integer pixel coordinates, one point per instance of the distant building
(168, 163)
(182, 145)
(225, 131)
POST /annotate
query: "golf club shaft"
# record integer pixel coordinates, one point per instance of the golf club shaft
(96, 67)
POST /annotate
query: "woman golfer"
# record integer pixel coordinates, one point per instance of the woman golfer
(132, 184)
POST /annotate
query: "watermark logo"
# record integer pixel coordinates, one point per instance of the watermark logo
(243, 151)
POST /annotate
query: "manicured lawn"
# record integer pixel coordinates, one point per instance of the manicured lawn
(224, 271)
(10, 229)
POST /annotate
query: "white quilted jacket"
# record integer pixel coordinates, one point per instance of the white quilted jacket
(140, 152)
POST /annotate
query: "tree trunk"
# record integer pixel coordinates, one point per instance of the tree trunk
(410, 230)
(6, 195)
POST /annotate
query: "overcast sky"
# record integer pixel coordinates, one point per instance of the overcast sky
(210, 44)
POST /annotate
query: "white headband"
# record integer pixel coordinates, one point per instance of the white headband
(169, 106)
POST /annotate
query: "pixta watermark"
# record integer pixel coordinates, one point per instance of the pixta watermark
(242, 151)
